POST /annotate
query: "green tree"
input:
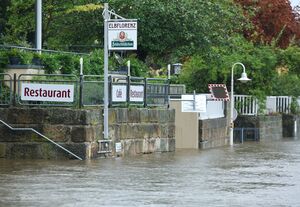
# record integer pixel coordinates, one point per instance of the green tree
(261, 62)
(175, 29)
(3, 16)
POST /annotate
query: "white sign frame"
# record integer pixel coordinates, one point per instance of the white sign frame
(122, 34)
(47, 92)
(119, 93)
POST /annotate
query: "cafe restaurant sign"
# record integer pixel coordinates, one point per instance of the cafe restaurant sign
(122, 34)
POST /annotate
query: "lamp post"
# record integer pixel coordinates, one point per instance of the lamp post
(177, 68)
(243, 79)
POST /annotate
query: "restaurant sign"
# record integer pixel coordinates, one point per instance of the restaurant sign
(47, 92)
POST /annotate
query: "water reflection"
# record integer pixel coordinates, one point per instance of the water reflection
(252, 174)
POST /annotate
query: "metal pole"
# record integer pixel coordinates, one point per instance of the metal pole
(295, 128)
(128, 67)
(39, 25)
(231, 108)
(15, 90)
(81, 83)
(106, 18)
(232, 100)
(194, 101)
(145, 93)
(169, 77)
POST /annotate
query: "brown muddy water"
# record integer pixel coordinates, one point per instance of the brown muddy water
(250, 174)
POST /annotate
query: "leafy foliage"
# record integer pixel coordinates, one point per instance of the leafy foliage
(175, 29)
(260, 61)
(206, 36)
(273, 20)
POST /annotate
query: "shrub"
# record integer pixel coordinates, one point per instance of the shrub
(50, 63)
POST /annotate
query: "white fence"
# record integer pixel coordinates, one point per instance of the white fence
(248, 105)
(278, 104)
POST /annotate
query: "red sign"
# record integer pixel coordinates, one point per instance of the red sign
(218, 92)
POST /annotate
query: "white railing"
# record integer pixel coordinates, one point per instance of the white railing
(245, 105)
(248, 105)
(283, 104)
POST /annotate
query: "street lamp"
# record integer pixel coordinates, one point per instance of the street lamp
(177, 68)
(243, 79)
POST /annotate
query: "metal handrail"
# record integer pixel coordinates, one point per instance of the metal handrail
(33, 130)
(42, 50)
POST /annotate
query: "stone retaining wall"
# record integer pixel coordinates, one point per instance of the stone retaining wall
(270, 127)
(139, 131)
(143, 130)
(213, 133)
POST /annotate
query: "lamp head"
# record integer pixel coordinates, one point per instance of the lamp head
(244, 78)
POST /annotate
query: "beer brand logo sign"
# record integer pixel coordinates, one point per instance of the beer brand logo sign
(122, 35)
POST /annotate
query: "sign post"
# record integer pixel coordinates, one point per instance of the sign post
(119, 34)
(105, 118)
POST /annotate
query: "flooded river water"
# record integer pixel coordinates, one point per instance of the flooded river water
(251, 174)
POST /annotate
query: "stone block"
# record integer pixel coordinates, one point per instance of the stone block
(163, 130)
(154, 131)
(23, 151)
(3, 114)
(172, 144)
(8, 135)
(137, 131)
(67, 116)
(57, 133)
(26, 116)
(98, 130)
(157, 145)
(50, 151)
(92, 150)
(153, 116)
(78, 134)
(163, 116)
(146, 130)
(123, 131)
(2, 150)
(171, 115)
(162, 145)
(132, 131)
(112, 116)
(122, 115)
(144, 115)
(171, 130)
(82, 134)
(149, 145)
(138, 144)
(94, 117)
(133, 115)
(129, 147)
(91, 133)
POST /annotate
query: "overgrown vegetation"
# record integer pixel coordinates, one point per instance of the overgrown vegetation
(207, 37)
